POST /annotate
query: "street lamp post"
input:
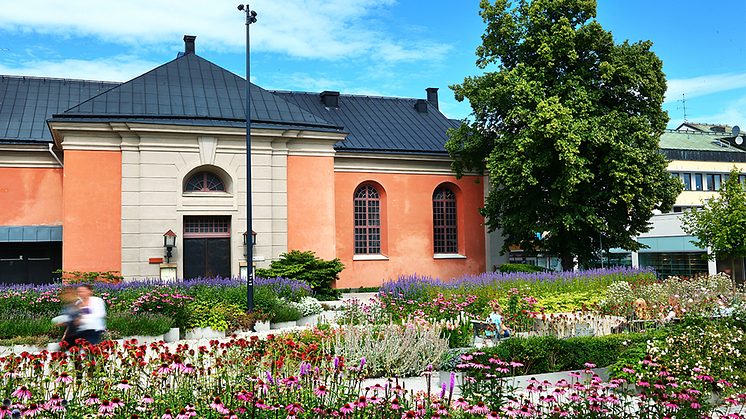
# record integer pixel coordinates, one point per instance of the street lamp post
(250, 18)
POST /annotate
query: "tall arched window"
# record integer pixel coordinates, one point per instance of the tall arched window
(367, 221)
(204, 182)
(445, 233)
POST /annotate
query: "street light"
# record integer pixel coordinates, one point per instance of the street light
(250, 18)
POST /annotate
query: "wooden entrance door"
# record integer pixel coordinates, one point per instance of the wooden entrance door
(207, 257)
(207, 247)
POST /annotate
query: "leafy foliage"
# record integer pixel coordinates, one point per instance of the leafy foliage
(520, 267)
(568, 127)
(304, 266)
(721, 222)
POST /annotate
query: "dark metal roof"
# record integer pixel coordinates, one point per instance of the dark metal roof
(27, 102)
(191, 88)
(380, 124)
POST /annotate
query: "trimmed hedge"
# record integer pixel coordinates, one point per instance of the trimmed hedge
(520, 267)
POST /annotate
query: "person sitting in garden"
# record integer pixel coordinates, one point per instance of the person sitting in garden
(496, 320)
(642, 312)
(722, 308)
(674, 309)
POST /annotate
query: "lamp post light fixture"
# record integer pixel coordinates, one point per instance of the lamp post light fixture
(250, 18)
(169, 242)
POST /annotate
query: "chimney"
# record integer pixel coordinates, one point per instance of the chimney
(330, 99)
(189, 44)
(432, 96)
(421, 105)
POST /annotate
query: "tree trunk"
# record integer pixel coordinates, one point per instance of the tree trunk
(568, 261)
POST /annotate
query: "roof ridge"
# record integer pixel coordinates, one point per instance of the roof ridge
(12, 76)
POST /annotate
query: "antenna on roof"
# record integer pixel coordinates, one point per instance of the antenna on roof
(683, 102)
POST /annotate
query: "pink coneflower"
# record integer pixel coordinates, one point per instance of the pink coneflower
(191, 410)
(643, 384)
(216, 404)
(260, 404)
(510, 411)
(346, 409)
(163, 370)
(22, 393)
(146, 399)
(105, 407)
(53, 402)
(398, 389)
(408, 415)
(92, 399)
(442, 409)
(695, 405)
(32, 410)
(320, 391)
(479, 409)
(187, 369)
(362, 402)
(167, 414)
(628, 370)
(461, 404)
(395, 404)
(294, 408)
(590, 365)
(5, 410)
(673, 406)
(515, 364)
(123, 385)
(64, 378)
(115, 402)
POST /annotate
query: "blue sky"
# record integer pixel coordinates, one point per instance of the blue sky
(372, 47)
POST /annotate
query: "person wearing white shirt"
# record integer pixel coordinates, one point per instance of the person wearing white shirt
(92, 320)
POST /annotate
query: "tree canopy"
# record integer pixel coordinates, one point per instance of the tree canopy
(721, 222)
(567, 128)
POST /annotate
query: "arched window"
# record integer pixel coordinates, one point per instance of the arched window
(367, 221)
(204, 182)
(445, 233)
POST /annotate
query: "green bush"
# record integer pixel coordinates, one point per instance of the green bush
(305, 266)
(520, 267)
(139, 324)
(217, 315)
(543, 354)
(286, 313)
(24, 323)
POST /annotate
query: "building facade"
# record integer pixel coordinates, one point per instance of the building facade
(93, 174)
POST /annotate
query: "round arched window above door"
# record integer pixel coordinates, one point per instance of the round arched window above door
(204, 182)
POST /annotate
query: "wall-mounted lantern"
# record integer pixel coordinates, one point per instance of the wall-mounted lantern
(253, 238)
(169, 242)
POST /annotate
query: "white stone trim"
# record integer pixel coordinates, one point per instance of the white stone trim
(448, 256)
(27, 155)
(369, 257)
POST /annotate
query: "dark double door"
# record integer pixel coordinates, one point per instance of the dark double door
(207, 257)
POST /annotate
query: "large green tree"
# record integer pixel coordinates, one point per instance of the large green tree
(567, 128)
(721, 222)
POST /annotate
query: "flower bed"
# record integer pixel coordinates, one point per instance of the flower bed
(271, 378)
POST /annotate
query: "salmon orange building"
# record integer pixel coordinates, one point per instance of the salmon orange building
(93, 174)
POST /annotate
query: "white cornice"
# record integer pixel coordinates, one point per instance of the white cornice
(393, 163)
(132, 136)
(27, 155)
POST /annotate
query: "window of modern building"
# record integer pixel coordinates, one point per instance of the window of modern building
(687, 179)
(678, 263)
(698, 181)
(367, 221)
(204, 182)
(713, 182)
(445, 232)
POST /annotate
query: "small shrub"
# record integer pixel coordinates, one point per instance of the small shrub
(139, 324)
(304, 266)
(308, 306)
(520, 267)
(285, 312)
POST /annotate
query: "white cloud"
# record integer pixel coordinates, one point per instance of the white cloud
(118, 68)
(704, 85)
(327, 29)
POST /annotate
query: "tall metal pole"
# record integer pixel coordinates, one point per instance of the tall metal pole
(250, 18)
